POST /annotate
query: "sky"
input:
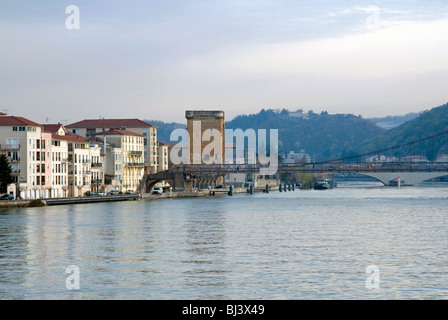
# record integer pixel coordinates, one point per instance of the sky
(155, 59)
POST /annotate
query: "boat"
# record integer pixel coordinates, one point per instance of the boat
(323, 184)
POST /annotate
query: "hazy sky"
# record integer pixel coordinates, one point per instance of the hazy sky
(155, 59)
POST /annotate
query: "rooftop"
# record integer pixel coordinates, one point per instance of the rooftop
(118, 132)
(69, 137)
(17, 121)
(110, 123)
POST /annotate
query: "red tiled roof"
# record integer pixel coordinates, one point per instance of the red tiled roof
(119, 132)
(110, 123)
(52, 127)
(17, 121)
(69, 137)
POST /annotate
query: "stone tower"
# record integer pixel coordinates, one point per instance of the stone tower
(207, 136)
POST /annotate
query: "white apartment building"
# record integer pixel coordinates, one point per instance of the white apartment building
(162, 159)
(28, 149)
(132, 156)
(96, 167)
(114, 168)
(59, 162)
(91, 127)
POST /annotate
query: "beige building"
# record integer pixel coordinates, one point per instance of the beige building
(59, 164)
(132, 155)
(162, 159)
(76, 163)
(90, 128)
(114, 168)
(96, 168)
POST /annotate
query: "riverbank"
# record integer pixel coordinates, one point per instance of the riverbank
(195, 194)
(21, 203)
(93, 199)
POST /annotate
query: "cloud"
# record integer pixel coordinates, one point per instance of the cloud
(416, 47)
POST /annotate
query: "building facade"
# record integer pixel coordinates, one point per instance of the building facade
(206, 128)
(27, 147)
(91, 127)
(131, 145)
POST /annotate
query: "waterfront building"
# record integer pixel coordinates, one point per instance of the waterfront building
(59, 160)
(132, 155)
(114, 168)
(90, 127)
(162, 159)
(27, 147)
(96, 168)
(76, 163)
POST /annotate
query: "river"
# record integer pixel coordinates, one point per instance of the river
(298, 245)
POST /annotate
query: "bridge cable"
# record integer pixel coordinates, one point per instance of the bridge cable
(386, 149)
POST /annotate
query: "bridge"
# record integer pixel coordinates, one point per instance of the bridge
(389, 173)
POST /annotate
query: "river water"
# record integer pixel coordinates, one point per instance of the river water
(303, 244)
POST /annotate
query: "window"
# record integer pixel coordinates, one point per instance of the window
(14, 128)
(13, 142)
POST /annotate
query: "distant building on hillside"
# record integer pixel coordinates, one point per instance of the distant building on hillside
(298, 114)
(442, 158)
(292, 157)
(381, 158)
(414, 159)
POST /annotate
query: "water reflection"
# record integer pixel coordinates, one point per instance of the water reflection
(301, 245)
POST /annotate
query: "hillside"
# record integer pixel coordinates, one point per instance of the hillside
(391, 122)
(323, 136)
(164, 129)
(429, 123)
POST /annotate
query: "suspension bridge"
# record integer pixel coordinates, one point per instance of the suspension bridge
(392, 172)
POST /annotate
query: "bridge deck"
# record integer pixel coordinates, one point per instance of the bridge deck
(347, 167)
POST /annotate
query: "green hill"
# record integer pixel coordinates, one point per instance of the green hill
(427, 124)
(323, 136)
(164, 129)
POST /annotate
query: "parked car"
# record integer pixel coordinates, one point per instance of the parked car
(102, 193)
(130, 192)
(222, 186)
(157, 190)
(112, 192)
(7, 197)
(207, 187)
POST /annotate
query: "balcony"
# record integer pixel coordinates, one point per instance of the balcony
(135, 153)
(135, 164)
(8, 147)
(96, 165)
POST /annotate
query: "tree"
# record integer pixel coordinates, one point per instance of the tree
(5, 172)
